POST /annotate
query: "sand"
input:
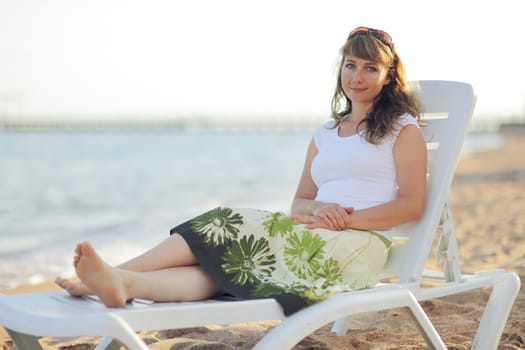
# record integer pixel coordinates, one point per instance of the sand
(489, 213)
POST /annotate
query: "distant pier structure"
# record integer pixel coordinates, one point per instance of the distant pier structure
(492, 124)
(10, 102)
(12, 118)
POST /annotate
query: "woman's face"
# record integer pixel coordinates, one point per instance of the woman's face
(362, 80)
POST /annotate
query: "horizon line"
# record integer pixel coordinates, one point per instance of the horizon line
(208, 122)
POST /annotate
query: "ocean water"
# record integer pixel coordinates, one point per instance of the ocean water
(124, 189)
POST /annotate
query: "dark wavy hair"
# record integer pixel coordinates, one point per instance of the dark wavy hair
(394, 100)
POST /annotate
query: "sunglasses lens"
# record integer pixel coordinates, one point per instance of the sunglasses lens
(379, 34)
(359, 30)
(386, 37)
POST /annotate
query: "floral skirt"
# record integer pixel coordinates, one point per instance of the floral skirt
(252, 253)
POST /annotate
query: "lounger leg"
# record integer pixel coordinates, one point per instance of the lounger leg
(341, 325)
(108, 343)
(120, 329)
(504, 292)
(24, 341)
(425, 327)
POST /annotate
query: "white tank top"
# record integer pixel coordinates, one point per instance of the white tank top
(353, 172)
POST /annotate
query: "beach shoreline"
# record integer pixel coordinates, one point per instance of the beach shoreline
(489, 215)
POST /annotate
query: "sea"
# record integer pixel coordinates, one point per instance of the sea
(123, 189)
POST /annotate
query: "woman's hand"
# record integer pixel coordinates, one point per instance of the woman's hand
(334, 215)
(329, 216)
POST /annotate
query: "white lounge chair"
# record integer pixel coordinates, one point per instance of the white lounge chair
(448, 108)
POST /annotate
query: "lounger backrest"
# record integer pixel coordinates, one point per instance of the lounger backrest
(448, 107)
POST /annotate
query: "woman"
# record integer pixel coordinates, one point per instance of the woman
(364, 174)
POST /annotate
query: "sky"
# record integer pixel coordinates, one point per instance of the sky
(241, 59)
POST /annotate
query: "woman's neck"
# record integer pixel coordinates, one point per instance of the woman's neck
(353, 118)
(359, 112)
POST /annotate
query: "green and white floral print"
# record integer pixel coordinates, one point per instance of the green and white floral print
(279, 224)
(304, 253)
(271, 254)
(249, 260)
(218, 226)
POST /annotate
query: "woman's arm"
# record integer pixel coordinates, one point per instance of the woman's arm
(303, 202)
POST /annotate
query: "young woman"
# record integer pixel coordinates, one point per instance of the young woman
(364, 174)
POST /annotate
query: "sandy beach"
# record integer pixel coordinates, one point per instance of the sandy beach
(489, 213)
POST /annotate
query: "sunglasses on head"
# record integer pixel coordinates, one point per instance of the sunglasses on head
(378, 34)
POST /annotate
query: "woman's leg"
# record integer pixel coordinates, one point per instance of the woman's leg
(114, 286)
(172, 252)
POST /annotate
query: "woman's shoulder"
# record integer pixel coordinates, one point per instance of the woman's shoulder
(328, 124)
(407, 119)
(325, 127)
(323, 131)
(403, 121)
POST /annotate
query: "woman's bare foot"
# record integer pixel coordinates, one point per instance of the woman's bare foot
(104, 281)
(75, 288)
